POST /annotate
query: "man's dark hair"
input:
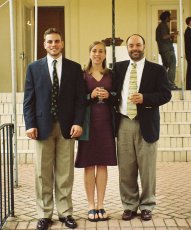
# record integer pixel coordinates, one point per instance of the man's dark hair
(188, 20)
(52, 31)
(136, 35)
(164, 15)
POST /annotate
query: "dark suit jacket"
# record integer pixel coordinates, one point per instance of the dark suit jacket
(156, 91)
(37, 98)
(187, 41)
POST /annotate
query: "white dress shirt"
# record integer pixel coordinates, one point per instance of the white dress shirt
(58, 67)
(125, 88)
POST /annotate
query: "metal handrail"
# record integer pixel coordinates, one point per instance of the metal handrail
(6, 172)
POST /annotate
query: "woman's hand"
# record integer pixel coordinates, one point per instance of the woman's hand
(103, 93)
(100, 93)
(95, 92)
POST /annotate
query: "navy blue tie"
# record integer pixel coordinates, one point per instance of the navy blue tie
(55, 91)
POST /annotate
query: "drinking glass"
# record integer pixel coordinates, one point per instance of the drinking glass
(100, 101)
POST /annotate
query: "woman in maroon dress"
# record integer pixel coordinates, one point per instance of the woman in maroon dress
(98, 151)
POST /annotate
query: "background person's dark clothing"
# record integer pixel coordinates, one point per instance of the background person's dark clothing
(187, 40)
(166, 50)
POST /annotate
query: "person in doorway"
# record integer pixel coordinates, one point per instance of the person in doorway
(166, 49)
(97, 151)
(187, 42)
(141, 86)
(54, 106)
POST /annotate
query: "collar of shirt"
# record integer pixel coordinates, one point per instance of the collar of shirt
(125, 88)
(58, 67)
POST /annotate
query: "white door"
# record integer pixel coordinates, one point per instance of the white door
(156, 10)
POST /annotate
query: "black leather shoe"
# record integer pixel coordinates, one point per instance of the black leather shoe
(43, 224)
(146, 214)
(128, 214)
(69, 221)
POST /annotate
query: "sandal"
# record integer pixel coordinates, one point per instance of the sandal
(101, 212)
(94, 213)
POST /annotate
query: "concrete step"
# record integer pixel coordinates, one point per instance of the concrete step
(174, 142)
(175, 116)
(174, 154)
(24, 143)
(163, 155)
(178, 95)
(177, 105)
(9, 118)
(175, 130)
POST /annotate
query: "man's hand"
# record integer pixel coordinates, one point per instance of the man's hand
(76, 131)
(32, 133)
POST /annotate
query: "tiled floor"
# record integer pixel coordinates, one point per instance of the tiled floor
(173, 210)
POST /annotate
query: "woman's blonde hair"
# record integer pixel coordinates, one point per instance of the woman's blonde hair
(88, 68)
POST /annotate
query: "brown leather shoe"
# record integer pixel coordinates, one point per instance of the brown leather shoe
(43, 224)
(128, 214)
(146, 214)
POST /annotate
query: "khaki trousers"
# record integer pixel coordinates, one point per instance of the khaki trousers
(136, 157)
(54, 170)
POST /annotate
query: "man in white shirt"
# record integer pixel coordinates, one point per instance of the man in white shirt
(54, 106)
(138, 136)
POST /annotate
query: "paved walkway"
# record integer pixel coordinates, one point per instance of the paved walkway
(173, 210)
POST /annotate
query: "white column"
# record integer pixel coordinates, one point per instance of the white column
(35, 29)
(14, 88)
(181, 51)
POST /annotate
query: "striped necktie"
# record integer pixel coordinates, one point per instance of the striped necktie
(131, 107)
(55, 91)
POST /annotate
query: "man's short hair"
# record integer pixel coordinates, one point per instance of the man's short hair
(188, 20)
(164, 15)
(52, 31)
(136, 35)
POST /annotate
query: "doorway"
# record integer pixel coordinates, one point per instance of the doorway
(156, 10)
(49, 17)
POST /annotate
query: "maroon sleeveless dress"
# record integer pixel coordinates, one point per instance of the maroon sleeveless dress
(100, 149)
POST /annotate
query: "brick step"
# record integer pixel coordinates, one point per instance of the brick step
(24, 143)
(175, 129)
(174, 154)
(26, 156)
(176, 105)
(163, 154)
(165, 142)
(7, 97)
(174, 149)
(176, 135)
(167, 116)
(177, 95)
(174, 142)
(165, 131)
(178, 116)
(8, 118)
